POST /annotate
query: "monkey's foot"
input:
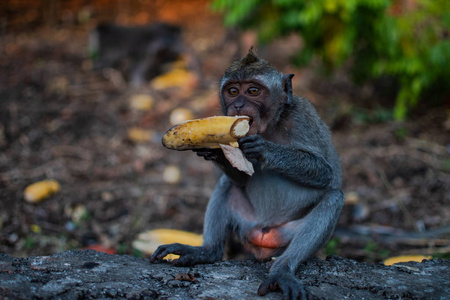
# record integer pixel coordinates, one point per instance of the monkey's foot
(189, 255)
(291, 287)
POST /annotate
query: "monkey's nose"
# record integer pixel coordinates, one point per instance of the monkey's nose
(238, 106)
(239, 103)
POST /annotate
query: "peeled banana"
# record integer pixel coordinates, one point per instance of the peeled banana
(206, 133)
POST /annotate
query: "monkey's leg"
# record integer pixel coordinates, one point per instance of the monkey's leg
(311, 233)
(215, 233)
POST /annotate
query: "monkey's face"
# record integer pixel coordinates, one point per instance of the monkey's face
(248, 98)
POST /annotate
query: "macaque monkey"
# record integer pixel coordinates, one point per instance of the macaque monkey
(139, 52)
(289, 207)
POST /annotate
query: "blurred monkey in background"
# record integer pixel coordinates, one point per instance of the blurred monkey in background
(140, 53)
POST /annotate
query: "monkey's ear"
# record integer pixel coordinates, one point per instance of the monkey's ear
(287, 86)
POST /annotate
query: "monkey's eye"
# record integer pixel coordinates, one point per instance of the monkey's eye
(253, 91)
(233, 91)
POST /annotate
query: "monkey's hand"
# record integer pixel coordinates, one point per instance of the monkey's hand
(291, 287)
(254, 146)
(189, 255)
(210, 154)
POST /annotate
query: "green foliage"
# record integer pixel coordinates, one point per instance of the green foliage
(373, 116)
(331, 248)
(137, 253)
(29, 242)
(441, 255)
(122, 248)
(411, 46)
(374, 252)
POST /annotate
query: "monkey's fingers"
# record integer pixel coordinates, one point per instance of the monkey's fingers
(293, 291)
(207, 156)
(253, 146)
(287, 283)
(185, 260)
(207, 153)
(164, 250)
(270, 284)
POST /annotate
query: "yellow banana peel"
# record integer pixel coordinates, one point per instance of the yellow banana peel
(147, 242)
(405, 258)
(206, 133)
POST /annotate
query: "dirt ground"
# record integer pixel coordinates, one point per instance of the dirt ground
(61, 120)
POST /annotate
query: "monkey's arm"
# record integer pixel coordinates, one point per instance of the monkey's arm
(238, 177)
(215, 232)
(300, 165)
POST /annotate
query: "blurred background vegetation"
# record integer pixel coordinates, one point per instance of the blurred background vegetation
(405, 42)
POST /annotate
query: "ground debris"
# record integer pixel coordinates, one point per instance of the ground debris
(80, 274)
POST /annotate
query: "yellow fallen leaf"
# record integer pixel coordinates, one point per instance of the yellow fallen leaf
(351, 198)
(147, 242)
(175, 78)
(78, 213)
(140, 135)
(178, 64)
(35, 228)
(40, 190)
(405, 258)
(180, 114)
(142, 102)
(172, 174)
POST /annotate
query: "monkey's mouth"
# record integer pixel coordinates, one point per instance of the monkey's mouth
(250, 122)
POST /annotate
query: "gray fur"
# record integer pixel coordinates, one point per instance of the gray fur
(296, 187)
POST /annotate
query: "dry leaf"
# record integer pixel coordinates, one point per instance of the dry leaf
(237, 159)
(140, 135)
(172, 174)
(40, 190)
(180, 114)
(142, 102)
(176, 78)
